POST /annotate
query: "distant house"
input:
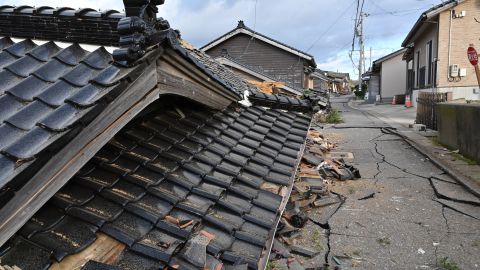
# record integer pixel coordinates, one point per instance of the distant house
(339, 82)
(321, 81)
(437, 45)
(387, 77)
(257, 57)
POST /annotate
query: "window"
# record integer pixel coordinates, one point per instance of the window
(429, 63)
(417, 68)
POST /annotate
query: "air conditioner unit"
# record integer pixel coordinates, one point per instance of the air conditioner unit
(462, 14)
(462, 72)
(454, 69)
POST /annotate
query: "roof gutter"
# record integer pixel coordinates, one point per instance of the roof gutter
(427, 15)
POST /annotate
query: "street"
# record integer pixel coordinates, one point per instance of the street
(417, 217)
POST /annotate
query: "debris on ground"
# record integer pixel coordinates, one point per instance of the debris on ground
(298, 241)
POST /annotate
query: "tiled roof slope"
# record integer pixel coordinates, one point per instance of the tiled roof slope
(61, 24)
(165, 180)
(47, 94)
(280, 102)
(227, 77)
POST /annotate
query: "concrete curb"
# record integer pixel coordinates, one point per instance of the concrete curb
(465, 181)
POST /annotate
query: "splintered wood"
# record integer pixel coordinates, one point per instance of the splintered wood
(105, 250)
(267, 87)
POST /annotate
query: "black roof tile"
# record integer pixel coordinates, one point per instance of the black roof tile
(154, 188)
(97, 211)
(184, 225)
(72, 195)
(63, 118)
(150, 207)
(169, 191)
(8, 107)
(80, 75)
(98, 59)
(123, 192)
(28, 146)
(45, 51)
(52, 70)
(5, 42)
(210, 191)
(253, 234)
(37, 257)
(127, 228)
(19, 49)
(97, 179)
(133, 261)
(7, 167)
(28, 89)
(67, 237)
(71, 55)
(6, 58)
(224, 219)
(8, 79)
(158, 245)
(195, 204)
(222, 241)
(24, 66)
(144, 177)
(243, 252)
(43, 220)
(93, 265)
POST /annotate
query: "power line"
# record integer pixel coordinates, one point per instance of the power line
(330, 27)
(254, 32)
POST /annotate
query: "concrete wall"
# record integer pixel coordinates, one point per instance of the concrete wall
(373, 87)
(393, 77)
(463, 32)
(458, 128)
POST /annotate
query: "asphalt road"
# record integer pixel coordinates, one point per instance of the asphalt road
(418, 218)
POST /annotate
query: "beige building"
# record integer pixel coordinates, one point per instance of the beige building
(437, 50)
(387, 77)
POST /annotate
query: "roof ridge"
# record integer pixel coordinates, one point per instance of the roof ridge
(241, 25)
(23, 22)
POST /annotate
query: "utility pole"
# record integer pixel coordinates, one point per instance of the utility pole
(359, 34)
(370, 57)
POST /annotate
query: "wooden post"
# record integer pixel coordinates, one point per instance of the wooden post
(477, 71)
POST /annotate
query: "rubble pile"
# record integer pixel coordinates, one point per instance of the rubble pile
(310, 206)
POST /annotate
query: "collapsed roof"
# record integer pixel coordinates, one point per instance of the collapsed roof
(149, 145)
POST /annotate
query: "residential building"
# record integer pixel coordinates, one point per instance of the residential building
(134, 155)
(437, 50)
(387, 77)
(321, 81)
(339, 82)
(258, 57)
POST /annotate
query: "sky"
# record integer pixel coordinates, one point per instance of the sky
(323, 28)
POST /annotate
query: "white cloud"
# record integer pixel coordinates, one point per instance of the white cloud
(297, 23)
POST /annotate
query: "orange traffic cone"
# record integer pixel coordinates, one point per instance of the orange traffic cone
(408, 101)
(394, 100)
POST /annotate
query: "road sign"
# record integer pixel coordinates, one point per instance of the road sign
(472, 56)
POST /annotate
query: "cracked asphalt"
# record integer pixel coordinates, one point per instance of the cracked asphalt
(418, 217)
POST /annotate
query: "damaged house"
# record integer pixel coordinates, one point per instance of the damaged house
(138, 157)
(259, 58)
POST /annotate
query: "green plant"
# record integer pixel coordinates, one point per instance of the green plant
(270, 265)
(384, 241)
(446, 264)
(317, 240)
(334, 117)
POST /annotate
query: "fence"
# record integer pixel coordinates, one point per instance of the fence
(426, 113)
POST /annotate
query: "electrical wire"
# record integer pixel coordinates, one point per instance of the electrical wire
(254, 32)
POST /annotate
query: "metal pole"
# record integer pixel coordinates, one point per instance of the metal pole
(360, 64)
